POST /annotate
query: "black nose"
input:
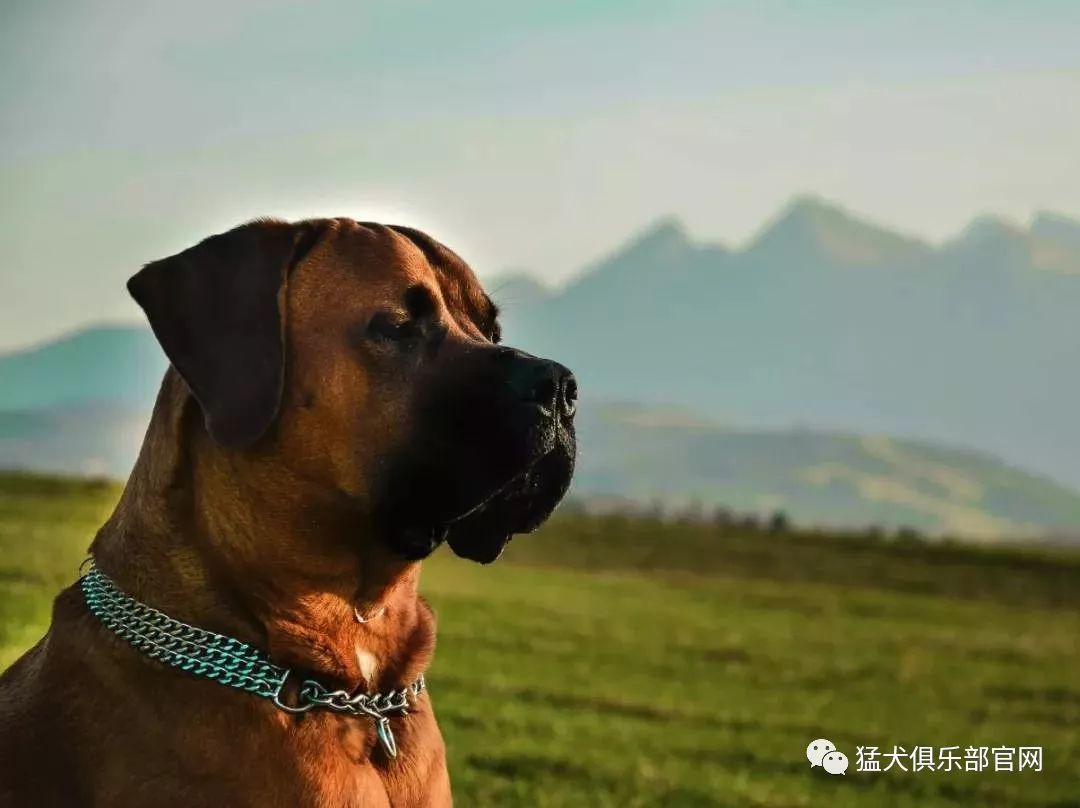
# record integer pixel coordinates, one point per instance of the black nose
(543, 382)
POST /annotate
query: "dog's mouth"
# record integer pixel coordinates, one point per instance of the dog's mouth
(480, 532)
(520, 506)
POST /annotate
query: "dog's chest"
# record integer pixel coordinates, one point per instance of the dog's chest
(347, 766)
(346, 783)
(248, 757)
(340, 763)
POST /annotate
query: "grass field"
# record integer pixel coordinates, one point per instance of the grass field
(616, 662)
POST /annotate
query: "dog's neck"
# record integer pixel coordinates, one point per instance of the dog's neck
(270, 561)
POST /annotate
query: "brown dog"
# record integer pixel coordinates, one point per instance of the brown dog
(337, 406)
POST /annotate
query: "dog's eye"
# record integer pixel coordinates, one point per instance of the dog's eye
(394, 329)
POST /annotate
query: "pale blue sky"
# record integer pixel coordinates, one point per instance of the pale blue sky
(524, 135)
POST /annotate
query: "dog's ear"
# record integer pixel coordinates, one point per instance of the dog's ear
(218, 310)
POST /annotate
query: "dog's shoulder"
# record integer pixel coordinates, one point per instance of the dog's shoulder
(36, 742)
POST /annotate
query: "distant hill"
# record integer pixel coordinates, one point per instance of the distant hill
(79, 404)
(811, 229)
(644, 454)
(93, 441)
(105, 366)
(825, 321)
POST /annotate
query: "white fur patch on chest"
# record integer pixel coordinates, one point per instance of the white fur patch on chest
(369, 665)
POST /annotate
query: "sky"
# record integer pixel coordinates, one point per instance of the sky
(527, 136)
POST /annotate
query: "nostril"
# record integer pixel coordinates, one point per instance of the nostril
(570, 393)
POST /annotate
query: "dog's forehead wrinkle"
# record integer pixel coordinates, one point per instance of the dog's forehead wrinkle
(465, 300)
(457, 282)
(375, 265)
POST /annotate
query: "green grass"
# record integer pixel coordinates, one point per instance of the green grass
(618, 662)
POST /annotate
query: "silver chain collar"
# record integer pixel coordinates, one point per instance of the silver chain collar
(230, 662)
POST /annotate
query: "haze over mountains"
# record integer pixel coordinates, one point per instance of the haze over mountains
(761, 379)
(830, 322)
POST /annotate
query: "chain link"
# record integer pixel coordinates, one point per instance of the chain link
(194, 650)
(230, 662)
(378, 705)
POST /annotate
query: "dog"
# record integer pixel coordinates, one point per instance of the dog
(249, 632)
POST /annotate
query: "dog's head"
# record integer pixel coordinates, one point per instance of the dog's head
(365, 360)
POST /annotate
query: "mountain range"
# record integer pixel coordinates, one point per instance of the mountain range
(758, 379)
(825, 321)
